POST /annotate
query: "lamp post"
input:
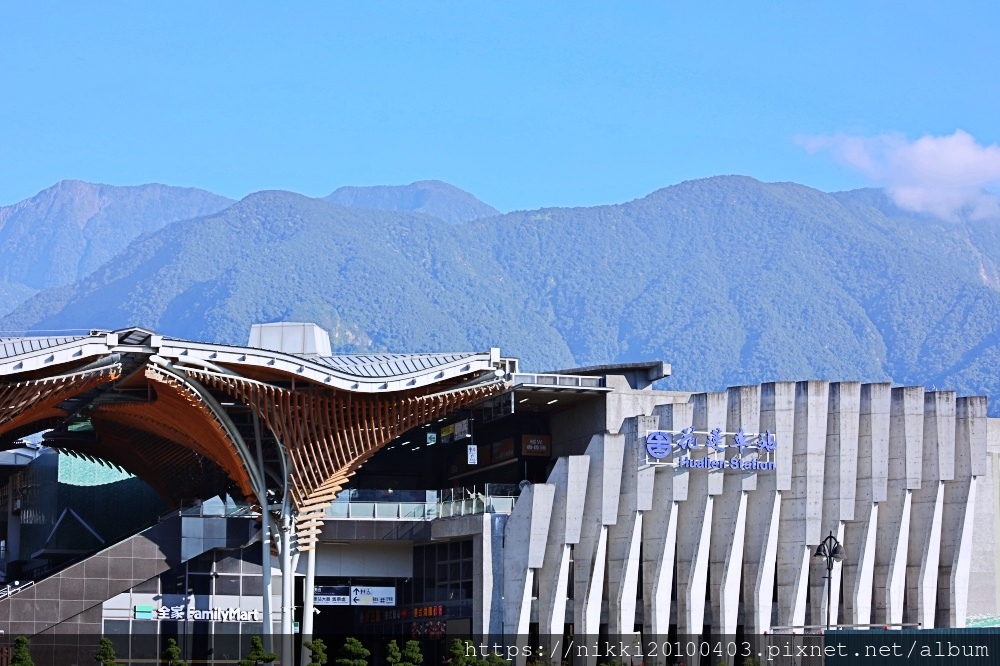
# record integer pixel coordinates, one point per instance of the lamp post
(833, 551)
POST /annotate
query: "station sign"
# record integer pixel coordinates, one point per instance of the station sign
(752, 450)
(332, 595)
(373, 596)
(353, 595)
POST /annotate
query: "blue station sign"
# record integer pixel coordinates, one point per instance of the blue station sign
(750, 449)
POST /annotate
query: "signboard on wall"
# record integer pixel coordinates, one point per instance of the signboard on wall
(472, 454)
(503, 450)
(373, 596)
(536, 445)
(461, 429)
(332, 595)
(432, 438)
(184, 612)
(447, 434)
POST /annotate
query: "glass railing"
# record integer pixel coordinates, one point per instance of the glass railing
(570, 381)
(372, 504)
(214, 506)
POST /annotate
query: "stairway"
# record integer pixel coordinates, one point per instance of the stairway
(69, 601)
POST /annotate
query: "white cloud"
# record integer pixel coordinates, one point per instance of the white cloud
(947, 176)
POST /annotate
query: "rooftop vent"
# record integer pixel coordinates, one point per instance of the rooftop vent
(291, 338)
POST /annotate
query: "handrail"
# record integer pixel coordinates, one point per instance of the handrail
(543, 379)
(12, 589)
(383, 504)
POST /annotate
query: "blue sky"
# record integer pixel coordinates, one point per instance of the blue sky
(523, 104)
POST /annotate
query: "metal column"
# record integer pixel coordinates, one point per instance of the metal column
(265, 540)
(308, 595)
(287, 589)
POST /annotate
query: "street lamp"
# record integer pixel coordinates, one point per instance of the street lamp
(831, 549)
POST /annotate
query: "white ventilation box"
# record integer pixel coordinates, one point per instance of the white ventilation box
(291, 338)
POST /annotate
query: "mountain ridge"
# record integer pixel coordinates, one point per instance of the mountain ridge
(69, 229)
(431, 197)
(728, 279)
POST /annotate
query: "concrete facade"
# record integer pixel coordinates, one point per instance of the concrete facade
(905, 479)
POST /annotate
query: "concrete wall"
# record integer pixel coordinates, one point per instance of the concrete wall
(900, 476)
(363, 558)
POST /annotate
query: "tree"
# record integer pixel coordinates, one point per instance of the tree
(21, 656)
(411, 654)
(493, 659)
(173, 654)
(106, 653)
(462, 653)
(256, 655)
(353, 653)
(317, 649)
(392, 654)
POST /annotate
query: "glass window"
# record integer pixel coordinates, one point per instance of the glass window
(253, 586)
(200, 584)
(227, 641)
(201, 564)
(252, 557)
(227, 585)
(172, 582)
(118, 632)
(228, 562)
(201, 640)
(144, 640)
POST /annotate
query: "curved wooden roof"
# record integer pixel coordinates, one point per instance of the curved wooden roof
(176, 413)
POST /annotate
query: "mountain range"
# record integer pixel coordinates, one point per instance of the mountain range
(729, 279)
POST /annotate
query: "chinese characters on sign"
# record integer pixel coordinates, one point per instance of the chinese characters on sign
(536, 445)
(660, 444)
(345, 595)
(373, 596)
(183, 612)
(332, 595)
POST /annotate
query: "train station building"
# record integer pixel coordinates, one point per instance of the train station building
(156, 487)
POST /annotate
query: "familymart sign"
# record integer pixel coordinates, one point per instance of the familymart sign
(722, 450)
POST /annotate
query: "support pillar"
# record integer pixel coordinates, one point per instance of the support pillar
(730, 516)
(308, 599)
(265, 542)
(777, 415)
(839, 494)
(694, 524)
(287, 590)
(802, 508)
(861, 533)
(905, 453)
(923, 556)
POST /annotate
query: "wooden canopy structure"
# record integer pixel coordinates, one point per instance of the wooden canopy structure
(195, 420)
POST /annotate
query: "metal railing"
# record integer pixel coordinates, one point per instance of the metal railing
(366, 504)
(568, 381)
(213, 506)
(10, 589)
